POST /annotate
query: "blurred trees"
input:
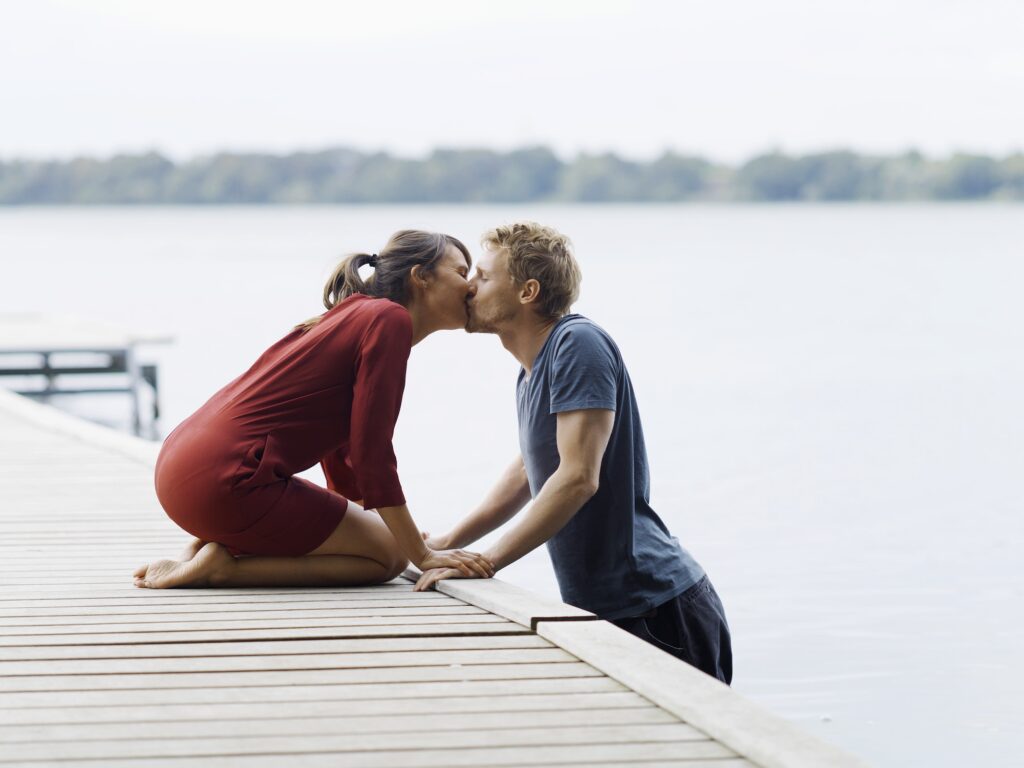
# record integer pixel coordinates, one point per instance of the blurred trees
(486, 176)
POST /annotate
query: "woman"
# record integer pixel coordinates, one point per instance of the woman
(328, 392)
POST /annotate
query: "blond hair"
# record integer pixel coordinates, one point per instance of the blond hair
(535, 252)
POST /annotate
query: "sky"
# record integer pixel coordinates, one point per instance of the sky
(724, 79)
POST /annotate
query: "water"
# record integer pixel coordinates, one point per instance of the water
(831, 396)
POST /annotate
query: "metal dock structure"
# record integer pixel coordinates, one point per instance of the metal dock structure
(47, 350)
(96, 672)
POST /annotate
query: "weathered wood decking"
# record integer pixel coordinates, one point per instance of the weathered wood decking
(94, 671)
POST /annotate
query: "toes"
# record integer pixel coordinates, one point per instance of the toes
(140, 572)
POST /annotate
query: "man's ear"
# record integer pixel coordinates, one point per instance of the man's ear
(530, 292)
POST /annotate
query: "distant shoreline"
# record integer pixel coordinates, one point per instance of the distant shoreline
(530, 175)
(7, 208)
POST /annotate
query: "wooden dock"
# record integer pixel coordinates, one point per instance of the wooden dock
(96, 672)
(48, 349)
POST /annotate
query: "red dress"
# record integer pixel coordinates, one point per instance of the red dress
(330, 394)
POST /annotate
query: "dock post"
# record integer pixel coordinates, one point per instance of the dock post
(134, 375)
(51, 377)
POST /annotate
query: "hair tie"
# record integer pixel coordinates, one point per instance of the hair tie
(372, 261)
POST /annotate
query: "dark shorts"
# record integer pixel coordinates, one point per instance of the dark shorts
(691, 627)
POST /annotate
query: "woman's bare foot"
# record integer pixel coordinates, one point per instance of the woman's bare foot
(191, 550)
(207, 568)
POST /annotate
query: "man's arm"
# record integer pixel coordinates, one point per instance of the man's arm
(509, 495)
(582, 437)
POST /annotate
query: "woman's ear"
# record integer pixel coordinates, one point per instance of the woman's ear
(417, 275)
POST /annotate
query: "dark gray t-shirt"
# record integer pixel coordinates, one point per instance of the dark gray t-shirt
(615, 557)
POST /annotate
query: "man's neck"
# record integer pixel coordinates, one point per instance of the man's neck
(525, 340)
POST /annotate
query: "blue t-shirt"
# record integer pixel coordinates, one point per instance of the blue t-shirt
(615, 557)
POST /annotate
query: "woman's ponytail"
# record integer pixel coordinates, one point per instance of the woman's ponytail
(345, 280)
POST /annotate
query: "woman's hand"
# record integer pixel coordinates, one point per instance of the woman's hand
(468, 564)
(431, 577)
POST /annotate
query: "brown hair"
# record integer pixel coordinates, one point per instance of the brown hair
(535, 252)
(406, 249)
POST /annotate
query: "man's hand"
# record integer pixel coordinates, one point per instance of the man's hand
(468, 564)
(431, 577)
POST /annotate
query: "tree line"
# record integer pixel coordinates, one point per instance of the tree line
(530, 174)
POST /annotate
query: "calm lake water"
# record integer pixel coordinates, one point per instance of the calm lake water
(832, 398)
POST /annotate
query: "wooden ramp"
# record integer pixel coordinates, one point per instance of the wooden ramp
(96, 672)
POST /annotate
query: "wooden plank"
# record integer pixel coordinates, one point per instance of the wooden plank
(74, 524)
(337, 617)
(365, 605)
(33, 332)
(506, 600)
(410, 674)
(678, 755)
(330, 691)
(729, 762)
(12, 635)
(203, 602)
(245, 663)
(695, 698)
(84, 534)
(53, 421)
(685, 742)
(156, 616)
(129, 592)
(614, 701)
(293, 608)
(130, 596)
(273, 648)
(398, 627)
(320, 724)
(686, 754)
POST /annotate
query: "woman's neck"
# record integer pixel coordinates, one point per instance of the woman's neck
(421, 322)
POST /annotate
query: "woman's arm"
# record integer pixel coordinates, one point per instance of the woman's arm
(410, 541)
(376, 401)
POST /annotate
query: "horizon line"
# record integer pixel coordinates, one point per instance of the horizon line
(177, 158)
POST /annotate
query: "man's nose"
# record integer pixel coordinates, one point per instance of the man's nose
(472, 289)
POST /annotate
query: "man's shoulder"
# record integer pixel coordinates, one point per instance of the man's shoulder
(576, 334)
(578, 324)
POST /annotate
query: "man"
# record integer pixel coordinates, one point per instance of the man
(583, 460)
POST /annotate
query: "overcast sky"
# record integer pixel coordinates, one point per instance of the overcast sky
(725, 78)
